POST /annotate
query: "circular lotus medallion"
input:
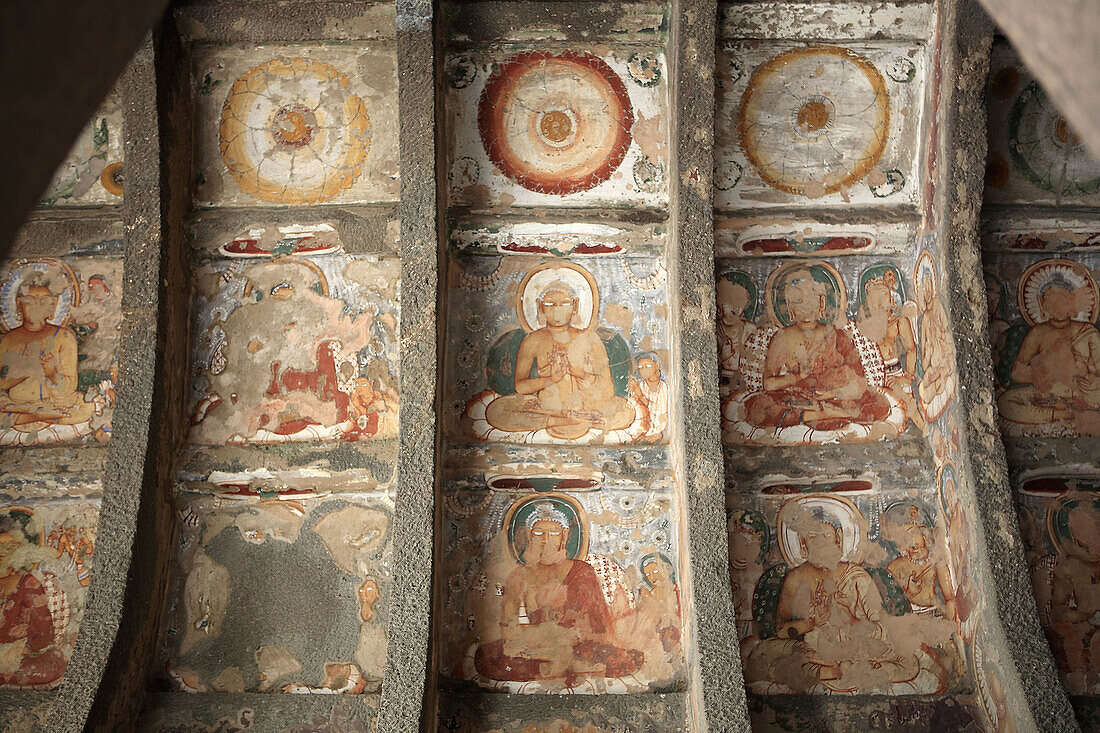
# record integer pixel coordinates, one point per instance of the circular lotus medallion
(814, 120)
(1046, 150)
(293, 133)
(555, 123)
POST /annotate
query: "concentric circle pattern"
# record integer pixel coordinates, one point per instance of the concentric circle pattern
(1046, 150)
(293, 133)
(555, 123)
(814, 120)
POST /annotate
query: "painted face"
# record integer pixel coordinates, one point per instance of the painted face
(879, 300)
(926, 292)
(36, 305)
(822, 546)
(733, 299)
(649, 370)
(803, 304)
(745, 545)
(654, 573)
(368, 594)
(547, 545)
(98, 290)
(557, 308)
(9, 543)
(918, 544)
(1058, 304)
(1084, 527)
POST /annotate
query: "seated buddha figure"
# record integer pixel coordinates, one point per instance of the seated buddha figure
(1057, 368)
(555, 624)
(563, 377)
(812, 373)
(38, 365)
(832, 631)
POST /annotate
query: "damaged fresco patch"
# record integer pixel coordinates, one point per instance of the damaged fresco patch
(280, 595)
(842, 587)
(295, 125)
(46, 552)
(557, 128)
(294, 347)
(561, 583)
(61, 323)
(549, 351)
(91, 174)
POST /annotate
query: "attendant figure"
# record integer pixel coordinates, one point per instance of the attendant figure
(734, 330)
(937, 384)
(881, 321)
(652, 391)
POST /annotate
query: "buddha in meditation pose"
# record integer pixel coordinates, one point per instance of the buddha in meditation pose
(554, 621)
(812, 372)
(831, 627)
(1058, 366)
(38, 365)
(563, 376)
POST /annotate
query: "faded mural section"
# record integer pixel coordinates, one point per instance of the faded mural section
(1040, 242)
(850, 544)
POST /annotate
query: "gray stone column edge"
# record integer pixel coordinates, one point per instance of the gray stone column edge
(718, 690)
(406, 703)
(968, 34)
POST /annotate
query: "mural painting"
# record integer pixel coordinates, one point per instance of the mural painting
(280, 595)
(58, 353)
(827, 604)
(557, 128)
(1034, 157)
(91, 174)
(1046, 345)
(290, 125)
(293, 347)
(799, 365)
(547, 351)
(826, 123)
(45, 563)
(1060, 523)
(560, 584)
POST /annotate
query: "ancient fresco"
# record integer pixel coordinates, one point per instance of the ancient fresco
(91, 174)
(46, 553)
(550, 351)
(826, 124)
(828, 602)
(1060, 522)
(802, 359)
(1046, 347)
(560, 583)
(1034, 154)
(280, 595)
(557, 128)
(60, 319)
(293, 341)
(281, 125)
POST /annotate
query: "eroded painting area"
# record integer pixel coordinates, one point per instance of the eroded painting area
(557, 128)
(1060, 522)
(46, 553)
(828, 602)
(1046, 347)
(828, 123)
(280, 595)
(294, 341)
(561, 584)
(816, 351)
(60, 319)
(91, 174)
(559, 352)
(295, 125)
